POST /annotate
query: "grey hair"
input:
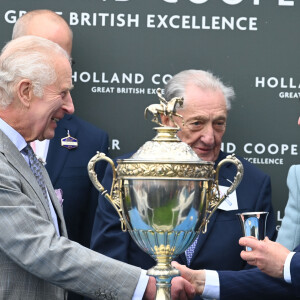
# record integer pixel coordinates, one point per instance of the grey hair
(175, 87)
(29, 57)
(21, 26)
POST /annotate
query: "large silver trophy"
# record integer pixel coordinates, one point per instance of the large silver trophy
(164, 194)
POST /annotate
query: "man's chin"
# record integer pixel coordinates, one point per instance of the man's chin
(206, 156)
(49, 135)
(49, 132)
(210, 158)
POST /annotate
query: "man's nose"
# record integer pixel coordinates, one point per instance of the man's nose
(68, 105)
(207, 135)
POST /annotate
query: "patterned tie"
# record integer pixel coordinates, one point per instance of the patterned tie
(36, 169)
(190, 250)
(35, 166)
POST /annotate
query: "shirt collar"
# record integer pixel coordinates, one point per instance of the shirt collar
(13, 135)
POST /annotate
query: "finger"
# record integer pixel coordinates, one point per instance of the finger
(251, 242)
(249, 257)
(187, 293)
(184, 271)
(246, 238)
(182, 295)
(189, 290)
(178, 288)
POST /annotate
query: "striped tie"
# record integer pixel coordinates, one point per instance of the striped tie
(36, 169)
(35, 166)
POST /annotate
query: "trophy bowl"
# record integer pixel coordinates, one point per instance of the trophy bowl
(164, 195)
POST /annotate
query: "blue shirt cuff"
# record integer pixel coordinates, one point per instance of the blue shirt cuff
(212, 285)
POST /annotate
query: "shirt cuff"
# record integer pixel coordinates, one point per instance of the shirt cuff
(212, 285)
(287, 268)
(141, 286)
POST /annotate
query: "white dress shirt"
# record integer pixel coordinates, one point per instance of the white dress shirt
(40, 148)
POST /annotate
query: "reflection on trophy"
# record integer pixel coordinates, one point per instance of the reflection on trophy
(253, 224)
(164, 194)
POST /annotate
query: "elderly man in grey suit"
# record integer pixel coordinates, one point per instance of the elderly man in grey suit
(37, 260)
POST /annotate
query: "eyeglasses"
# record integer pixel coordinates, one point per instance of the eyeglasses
(197, 125)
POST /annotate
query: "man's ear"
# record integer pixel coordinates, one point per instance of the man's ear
(25, 92)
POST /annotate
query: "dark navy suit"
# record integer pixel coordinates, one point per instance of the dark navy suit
(295, 271)
(253, 284)
(218, 249)
(68, 171)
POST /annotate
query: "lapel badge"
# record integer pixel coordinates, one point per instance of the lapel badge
(69, 142)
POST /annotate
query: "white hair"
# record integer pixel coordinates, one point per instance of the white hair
(29, 57)
(175, 87)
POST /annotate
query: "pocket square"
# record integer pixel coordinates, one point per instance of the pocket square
(59, 195)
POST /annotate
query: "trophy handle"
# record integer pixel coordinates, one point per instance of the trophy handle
(216, 200)
(113, 197)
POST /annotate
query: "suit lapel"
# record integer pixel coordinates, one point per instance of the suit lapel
(57, 155)
(16, 159)
(18, 162)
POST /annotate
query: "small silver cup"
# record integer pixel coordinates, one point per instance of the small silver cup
(253, 224)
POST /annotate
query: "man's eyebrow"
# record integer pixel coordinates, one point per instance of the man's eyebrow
(197, 118)
(221, 118)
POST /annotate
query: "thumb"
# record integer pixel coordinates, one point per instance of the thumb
(184, 271)
(196, 278)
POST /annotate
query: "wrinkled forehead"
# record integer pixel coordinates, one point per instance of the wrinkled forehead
(196, 97)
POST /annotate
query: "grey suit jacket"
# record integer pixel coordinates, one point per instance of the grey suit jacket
(34, 262)
(289, 232)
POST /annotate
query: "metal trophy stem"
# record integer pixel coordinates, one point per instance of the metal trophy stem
(164, 194)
